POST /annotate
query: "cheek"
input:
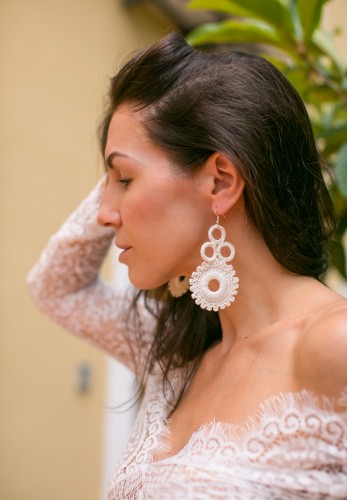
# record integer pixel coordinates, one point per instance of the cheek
(140, 213)
(164, 213)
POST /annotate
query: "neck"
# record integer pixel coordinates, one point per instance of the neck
(267, 293)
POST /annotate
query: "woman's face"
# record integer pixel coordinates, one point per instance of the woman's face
(160, 216)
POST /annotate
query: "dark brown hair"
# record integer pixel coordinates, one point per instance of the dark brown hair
(241, 105)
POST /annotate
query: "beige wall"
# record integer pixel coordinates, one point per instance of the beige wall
(335, 15)
(56, 59)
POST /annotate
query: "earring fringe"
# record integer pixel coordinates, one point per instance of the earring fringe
(178, 286)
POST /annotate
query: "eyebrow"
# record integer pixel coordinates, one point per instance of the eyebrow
(112, 155)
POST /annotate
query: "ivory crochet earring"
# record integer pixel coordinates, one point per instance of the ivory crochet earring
(178, 286)
(215, 269)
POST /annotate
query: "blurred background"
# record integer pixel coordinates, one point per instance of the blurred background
(58, 440)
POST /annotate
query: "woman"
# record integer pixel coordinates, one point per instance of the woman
(214, 187)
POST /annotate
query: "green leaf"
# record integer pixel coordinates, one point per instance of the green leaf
(334, 137)
(225, 6)
(274, 12)
(234, 32)
(279, 62)
(298, 76)
(341, 169)
(309, 13)
(312, 94)
(338, 258)
(320, 94)
(335, 132)
(323, 43)
(292, 5)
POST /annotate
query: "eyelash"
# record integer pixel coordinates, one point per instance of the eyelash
(124, 181)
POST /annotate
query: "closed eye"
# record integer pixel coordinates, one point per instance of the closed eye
(124, 181)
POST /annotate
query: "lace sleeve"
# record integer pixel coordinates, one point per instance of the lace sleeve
(65, 285)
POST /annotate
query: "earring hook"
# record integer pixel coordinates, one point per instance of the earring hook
(217, 216)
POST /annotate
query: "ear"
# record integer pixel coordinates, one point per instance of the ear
(227, 183)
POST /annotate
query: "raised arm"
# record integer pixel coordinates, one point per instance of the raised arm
(65, 285)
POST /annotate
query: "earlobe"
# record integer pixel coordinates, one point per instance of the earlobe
(228, 183)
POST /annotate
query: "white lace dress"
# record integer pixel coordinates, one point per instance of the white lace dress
(293, 447)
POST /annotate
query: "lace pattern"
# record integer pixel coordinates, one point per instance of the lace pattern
(293, 447)
(65, 285)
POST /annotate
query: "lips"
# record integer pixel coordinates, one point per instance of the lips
(122, 247)
(124, 250)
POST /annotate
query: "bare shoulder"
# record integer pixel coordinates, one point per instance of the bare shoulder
(321, 351)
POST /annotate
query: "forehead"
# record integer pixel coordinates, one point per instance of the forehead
(125, 127)
(128, 137)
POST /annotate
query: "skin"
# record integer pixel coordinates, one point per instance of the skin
(155, 197)
(284, 332)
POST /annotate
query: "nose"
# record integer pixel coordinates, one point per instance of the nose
(109, 214)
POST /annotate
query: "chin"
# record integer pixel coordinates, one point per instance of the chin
(144, 283)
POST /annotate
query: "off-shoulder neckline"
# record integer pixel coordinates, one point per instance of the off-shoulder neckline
(270, 409)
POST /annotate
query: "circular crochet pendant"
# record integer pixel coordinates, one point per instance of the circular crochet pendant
(178, 286)
(215, 271)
